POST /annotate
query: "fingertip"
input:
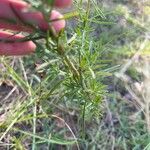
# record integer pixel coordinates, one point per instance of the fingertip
(57, 21)
(31, 47)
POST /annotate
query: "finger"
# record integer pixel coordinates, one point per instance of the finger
(15, 48)
(34, 18)
(7, 12)
(57, 23)
(57, 3)
(8, 19)
(62, 3)
(37, 19)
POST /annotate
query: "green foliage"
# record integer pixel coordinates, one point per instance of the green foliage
(66, 77)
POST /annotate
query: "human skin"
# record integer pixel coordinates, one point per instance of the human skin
(17, 12)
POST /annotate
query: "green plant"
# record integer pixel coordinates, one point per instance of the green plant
(68, 79)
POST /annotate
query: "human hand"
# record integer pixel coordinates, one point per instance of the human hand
(17, 11)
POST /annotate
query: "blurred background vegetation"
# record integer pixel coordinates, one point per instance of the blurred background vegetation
(95, 95)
